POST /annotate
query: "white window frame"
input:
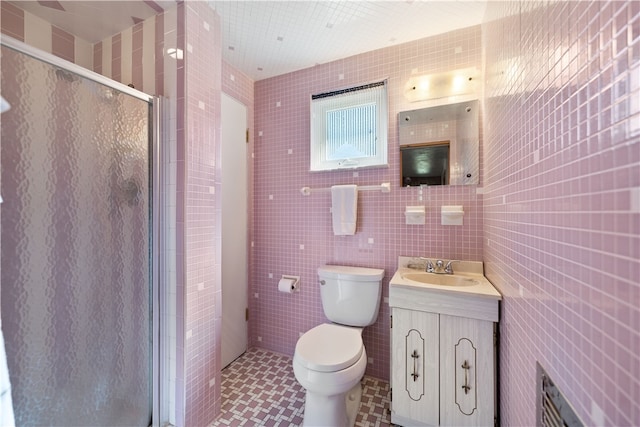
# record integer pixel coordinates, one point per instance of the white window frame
(322, 104)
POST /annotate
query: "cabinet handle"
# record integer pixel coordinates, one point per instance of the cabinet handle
(415, 357)
(466, 368)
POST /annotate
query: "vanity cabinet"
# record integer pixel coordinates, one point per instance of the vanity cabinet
(443, 370)
(443, 352)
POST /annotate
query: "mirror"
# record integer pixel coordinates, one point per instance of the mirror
(425, 164)
(440, 145)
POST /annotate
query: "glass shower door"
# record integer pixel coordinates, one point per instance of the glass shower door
(75, 247)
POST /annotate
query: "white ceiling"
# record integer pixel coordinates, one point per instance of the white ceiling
(269, 38)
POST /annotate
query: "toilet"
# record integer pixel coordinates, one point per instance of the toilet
(330, 359)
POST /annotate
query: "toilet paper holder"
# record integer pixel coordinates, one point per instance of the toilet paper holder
(293, 282)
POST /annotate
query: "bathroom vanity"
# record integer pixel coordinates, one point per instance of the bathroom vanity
(443, 346)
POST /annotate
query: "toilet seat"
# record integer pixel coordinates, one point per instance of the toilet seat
(329, 348)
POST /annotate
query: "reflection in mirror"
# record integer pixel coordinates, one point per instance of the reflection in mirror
(425, 164)
(440, 145)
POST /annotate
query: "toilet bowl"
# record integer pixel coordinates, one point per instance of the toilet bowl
(330, 359)
(329, 362)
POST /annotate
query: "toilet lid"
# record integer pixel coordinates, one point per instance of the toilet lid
(329, 348)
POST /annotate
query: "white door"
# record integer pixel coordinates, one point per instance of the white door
(234, 229)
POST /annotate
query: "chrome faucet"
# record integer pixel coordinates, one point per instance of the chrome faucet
(440, 267)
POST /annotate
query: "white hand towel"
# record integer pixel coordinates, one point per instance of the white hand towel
(344, 209)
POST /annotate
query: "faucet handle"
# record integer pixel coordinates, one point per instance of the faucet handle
(429, 267)
(448, 268)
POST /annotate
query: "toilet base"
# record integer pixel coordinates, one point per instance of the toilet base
(353, 398)
(338, 411)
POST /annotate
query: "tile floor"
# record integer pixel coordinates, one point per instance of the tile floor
(259, 389)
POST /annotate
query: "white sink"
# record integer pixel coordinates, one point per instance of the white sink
(466, 293)
(440, 279)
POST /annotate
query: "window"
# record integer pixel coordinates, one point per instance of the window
(349, 128)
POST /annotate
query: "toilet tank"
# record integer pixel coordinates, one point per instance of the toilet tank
(350, 295)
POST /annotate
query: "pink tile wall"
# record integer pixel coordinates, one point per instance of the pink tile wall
(203, 321)
(292, 233)
(159, 47)
(562, 203)
(181, 191)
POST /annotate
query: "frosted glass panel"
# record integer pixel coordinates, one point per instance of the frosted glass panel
(75, 248)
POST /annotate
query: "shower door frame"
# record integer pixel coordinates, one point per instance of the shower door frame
(159, 349)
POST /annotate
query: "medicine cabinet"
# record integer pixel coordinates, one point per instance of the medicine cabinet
(440, 145)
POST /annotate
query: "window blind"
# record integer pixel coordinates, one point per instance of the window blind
(349, 127)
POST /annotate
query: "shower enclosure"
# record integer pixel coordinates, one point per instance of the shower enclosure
(77, 249)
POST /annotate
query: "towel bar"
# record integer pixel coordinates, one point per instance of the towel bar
(385, 187)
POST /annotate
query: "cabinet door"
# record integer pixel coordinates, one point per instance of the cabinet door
(414, 367)
(467, 379)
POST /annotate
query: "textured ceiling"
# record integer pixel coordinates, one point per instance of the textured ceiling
(268, 38)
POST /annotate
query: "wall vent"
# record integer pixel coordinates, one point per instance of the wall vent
(553, 410)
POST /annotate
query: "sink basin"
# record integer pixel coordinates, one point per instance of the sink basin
(466, 293)
(440, 279)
